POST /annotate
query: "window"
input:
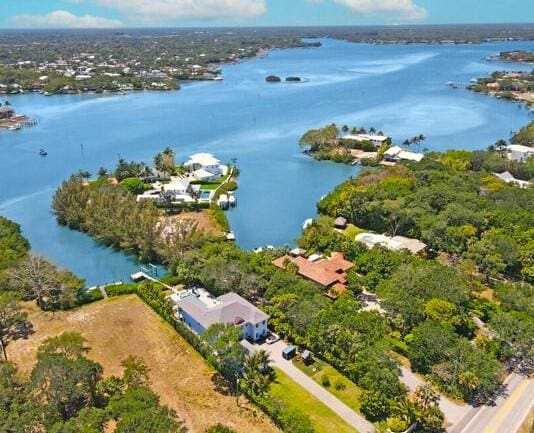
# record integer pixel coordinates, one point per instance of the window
(257, 325)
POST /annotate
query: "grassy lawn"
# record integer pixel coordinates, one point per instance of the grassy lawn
(351, 231)
(323, 418)
(118, 327)
(209, 186)
(347, 391)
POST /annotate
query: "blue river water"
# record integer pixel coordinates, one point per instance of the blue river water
(398, 88)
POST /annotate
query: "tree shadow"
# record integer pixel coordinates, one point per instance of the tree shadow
(22, 331)
(221, 385)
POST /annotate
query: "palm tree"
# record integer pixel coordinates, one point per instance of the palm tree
(256, 375)
(406, 410)
(425, 396)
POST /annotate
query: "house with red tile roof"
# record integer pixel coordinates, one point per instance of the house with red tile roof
(328, 272)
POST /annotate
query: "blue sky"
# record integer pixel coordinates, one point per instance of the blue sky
(129, 13)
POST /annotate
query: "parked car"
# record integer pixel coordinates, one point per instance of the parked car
(289, 352)
(272, 338)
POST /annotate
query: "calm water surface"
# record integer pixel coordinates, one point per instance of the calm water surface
(399, 89)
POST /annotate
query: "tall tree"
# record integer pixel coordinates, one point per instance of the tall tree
(39, 279)
(13, 321)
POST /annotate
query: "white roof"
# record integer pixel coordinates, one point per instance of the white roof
(393, 151)
(176, 184)
(393, 243)
(202, 174)
(411, 156)
(366, 137)
(520, 148)
(509, 178)
(203, 159)
(228, 308)
(399, 152)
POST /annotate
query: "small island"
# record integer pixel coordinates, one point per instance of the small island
(273, 79)
(519, 56)
(516, 85)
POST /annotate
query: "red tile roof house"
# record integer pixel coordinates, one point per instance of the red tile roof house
(330, 272)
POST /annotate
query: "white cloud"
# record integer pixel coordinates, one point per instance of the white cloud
(161, 11)
(63, 19)
(405, 9)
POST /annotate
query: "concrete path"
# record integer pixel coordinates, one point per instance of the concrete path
(346, 413)
(505, 414)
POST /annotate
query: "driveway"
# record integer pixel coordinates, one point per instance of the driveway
(346, 413)
(454, 412)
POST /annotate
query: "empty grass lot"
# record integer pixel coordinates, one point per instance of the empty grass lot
(323, 418)
(347, 391)
(118, 327)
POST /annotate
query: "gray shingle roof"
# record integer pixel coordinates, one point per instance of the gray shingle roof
(232, 307)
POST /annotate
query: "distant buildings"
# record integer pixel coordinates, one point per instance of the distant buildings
(198, 309)
(6, 112)
(377, 140)
(518, 152)
(330, 272)
(395, 243)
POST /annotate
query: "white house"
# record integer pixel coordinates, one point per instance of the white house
(198, 309)
(177, 185)
(207, 162)
(395, 243)
(509, 178)
(205, 175)
(518, 152)
(397, 153)
(377, 140)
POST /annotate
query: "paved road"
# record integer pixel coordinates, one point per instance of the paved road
(507, 412)
(340, 408)
(454, 412)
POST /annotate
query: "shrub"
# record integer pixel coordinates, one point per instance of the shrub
(121, 289)
(88, 296)
(339, 385)
(325, 380)
(375, 406)
(220, 428)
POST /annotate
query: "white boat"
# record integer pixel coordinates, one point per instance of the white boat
(307, 223)
(223, 202)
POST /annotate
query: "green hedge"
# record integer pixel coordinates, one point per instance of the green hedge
(121, 289)
(88, 296)
(220, 217)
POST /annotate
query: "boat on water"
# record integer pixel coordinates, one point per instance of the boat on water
(232, 200)
(307, 223)
(43, 152)
(16, 127)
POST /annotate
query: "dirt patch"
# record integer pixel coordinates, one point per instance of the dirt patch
(118, 327)
(204, 219)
